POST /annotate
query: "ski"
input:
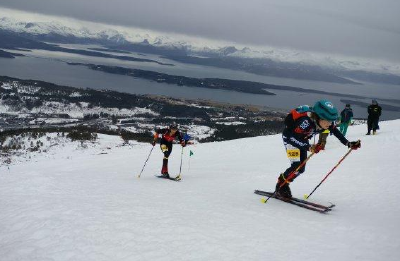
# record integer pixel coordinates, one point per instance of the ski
(267, 194)
(301, 203)
(169, 178)
(309, 207)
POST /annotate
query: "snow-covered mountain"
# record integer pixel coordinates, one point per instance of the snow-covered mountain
(65, 31)
(77, 203)
(54, 29)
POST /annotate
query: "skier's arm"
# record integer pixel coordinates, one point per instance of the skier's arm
(338, 135)
(180, 138)
(350, 144)
(156, 135)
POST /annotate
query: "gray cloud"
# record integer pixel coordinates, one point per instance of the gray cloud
(364, 28)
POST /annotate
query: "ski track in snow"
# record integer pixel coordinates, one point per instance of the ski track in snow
(83, 205)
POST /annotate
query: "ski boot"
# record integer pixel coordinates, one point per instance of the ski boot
(283, 191)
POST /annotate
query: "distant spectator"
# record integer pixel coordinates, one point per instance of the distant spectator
(374, 112)
(345, 119)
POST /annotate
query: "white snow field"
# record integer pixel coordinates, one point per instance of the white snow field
(86, 205)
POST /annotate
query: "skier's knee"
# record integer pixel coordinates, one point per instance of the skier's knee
(164, 148)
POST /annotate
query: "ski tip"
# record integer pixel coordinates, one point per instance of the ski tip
(305, 196)
(326, 210)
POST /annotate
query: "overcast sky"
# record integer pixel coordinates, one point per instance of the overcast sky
(363, 28)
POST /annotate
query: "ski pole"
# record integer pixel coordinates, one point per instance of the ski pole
(148, 157)
(180, 168)
(289, 177)
(340, 161)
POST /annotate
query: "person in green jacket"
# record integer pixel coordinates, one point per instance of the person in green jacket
(345, 119)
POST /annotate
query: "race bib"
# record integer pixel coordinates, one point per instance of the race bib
(293, 154)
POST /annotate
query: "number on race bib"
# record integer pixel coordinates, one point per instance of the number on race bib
(293, 154)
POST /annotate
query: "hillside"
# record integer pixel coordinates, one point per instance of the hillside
(47, 107)
(76, 203)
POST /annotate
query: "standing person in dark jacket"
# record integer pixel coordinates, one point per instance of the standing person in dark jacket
(374, 112)
(345, 118)
(168, 135)
(300, 126)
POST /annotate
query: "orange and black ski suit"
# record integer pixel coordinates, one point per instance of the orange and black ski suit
(166, 141)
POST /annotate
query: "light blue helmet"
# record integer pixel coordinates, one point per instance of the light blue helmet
(325, 110)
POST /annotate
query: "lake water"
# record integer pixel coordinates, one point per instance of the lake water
(51, 67)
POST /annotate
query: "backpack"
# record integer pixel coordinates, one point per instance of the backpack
(295, 114)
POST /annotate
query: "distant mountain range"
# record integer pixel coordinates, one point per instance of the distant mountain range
(274, 62)
(56, 32)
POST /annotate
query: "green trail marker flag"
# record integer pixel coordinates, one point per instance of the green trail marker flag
(190, 156)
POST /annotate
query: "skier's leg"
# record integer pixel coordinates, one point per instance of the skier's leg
(341, 127)
(166, 149)
(374, 125)
(369, 124)
(296, 156)
(345, 126)
(301, 155)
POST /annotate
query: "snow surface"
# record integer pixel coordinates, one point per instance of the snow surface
(72, 109)
(88, 204)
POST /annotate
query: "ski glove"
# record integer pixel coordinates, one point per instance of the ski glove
(354, 144)
(183, 143)
(155, 138)
(316, 148)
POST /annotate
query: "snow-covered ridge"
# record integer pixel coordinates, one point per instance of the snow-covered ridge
(192, 45)
(74, 110)
(54, 27)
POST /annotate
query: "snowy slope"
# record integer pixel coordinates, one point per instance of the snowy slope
(86, 205)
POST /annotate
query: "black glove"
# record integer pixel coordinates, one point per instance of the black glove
(183, 143)
(354, 144)
(154, 142)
